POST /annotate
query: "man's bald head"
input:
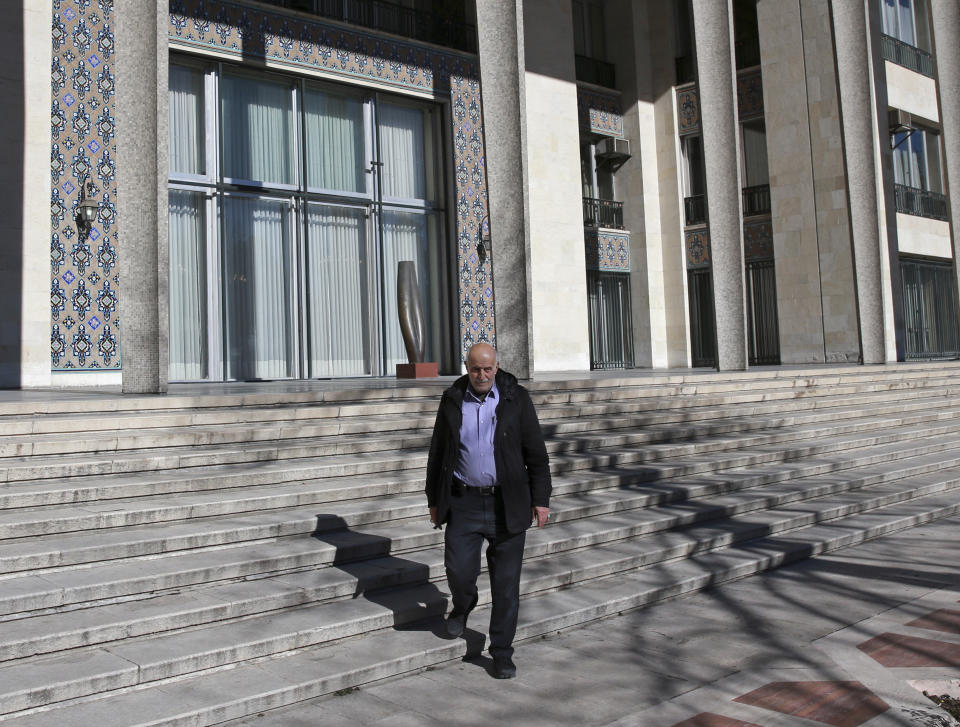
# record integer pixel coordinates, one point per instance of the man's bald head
(481, 367)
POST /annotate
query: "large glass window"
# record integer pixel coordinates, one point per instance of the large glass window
(258, 131)
(188, 285)
(588, 30)
(291, 204)
(755, 168)
(906, 20)
(916, 159)
(336, 158)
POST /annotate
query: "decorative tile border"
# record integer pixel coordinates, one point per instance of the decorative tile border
(599, 112)
(608, 251)
(750, 95)
(749, 102)
(299, 45)
(84, 286)
(758, 240)
(688, 111)
(697, 245)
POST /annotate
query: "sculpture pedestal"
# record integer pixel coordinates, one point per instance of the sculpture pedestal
(425, 370)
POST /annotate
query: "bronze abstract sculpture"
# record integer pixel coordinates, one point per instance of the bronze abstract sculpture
(410, 311)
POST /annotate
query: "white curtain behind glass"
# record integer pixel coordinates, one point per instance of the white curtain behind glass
(257, 273)
(188, 289)
(407, 236)
(335, 142)
(337, 291)
(909, 160)
(186, 120)
(755, 155)
(402, 151)
(258, 136)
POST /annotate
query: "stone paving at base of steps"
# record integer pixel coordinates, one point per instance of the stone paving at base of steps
(847, 640)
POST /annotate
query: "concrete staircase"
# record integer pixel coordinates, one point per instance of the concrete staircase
(191, 559)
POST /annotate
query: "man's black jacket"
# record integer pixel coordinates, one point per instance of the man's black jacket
(523, 470)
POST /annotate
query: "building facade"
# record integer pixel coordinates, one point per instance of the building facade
(587, 184)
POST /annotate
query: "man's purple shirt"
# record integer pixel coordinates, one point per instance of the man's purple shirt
(475, 462)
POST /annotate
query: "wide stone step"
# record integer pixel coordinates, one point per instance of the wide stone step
(659, 426)
(386, 500)
(574, 454)
(195, 657)
(191, 399)
(130, 450)
(351, 563)
(47, 434)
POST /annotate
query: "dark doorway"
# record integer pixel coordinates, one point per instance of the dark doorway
(703, 332)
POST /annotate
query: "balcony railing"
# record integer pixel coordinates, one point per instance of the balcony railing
(602, 213)
(391, 18)
(756, 200)
(919, 202)
(592, 70)
(906, 55)
(695, 210)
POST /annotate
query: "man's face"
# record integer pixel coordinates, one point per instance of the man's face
(482, 368)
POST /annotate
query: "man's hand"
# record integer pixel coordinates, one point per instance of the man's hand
(539, 515)
(433, 515)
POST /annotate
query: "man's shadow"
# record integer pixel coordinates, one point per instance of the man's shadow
(402, 585)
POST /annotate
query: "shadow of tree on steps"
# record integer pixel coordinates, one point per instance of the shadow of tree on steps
(400, 585)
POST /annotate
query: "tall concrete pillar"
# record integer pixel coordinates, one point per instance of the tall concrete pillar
(25, 55)
(500, 38)
(712, 25)
(141, 111)
(850, 30)
(945, 17)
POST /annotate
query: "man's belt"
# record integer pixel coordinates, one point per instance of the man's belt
(463, 488)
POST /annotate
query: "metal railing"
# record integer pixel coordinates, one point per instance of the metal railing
(929, 310)
(695, 210)
(391, 18)
(611, 327)
(593, 70)
(906, 55)
(602, 213)
(756, 200)
(920, 202)
(703, 332)
(763, 335)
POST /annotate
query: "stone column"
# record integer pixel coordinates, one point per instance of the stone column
(499, 35)
(25, 56)
(850, 31)
(718, 112)
(141, 111)
(945, 17)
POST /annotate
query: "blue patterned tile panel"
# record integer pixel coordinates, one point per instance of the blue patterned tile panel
(607, 251)
(83, 295)
(600, 112)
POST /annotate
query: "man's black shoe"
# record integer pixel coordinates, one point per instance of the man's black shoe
(457, 620)
(456, 623)
(504, 668)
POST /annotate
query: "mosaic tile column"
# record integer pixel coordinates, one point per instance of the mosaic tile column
(718, 110)
(500, 34)
(945, 15)
(856, 106)
(141, 62)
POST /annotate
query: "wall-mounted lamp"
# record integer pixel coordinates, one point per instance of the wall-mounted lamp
(87, 208)
(483, 239)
